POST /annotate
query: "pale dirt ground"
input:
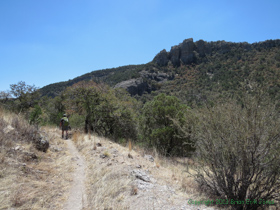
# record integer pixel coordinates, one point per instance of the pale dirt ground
(77, 198)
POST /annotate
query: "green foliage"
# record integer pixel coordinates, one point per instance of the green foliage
(53, 109)
(77, 121)
(159, 127)
(4, 96)
(35, 115)
(103, 112)
(26, 96)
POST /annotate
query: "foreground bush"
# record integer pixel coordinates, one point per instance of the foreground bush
(238, 152)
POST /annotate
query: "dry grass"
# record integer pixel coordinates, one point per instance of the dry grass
(75, 136)
(42, 183)
(30, 179)
(107, 185)
(111, 185)
(129, 145)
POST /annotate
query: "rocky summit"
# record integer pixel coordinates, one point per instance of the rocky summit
(188, 52)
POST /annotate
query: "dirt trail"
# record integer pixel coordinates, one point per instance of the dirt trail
(127, 182)
(77, 199)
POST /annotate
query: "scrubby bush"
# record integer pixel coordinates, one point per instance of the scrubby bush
(35, 115)
(104, 113)
(160, 124)
(77, 121)
(237, 149)
(26, 96)
(54, 108)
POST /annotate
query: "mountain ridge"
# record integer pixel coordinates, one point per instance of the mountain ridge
(179, 61)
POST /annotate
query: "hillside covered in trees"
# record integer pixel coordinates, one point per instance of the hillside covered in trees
(191, 70)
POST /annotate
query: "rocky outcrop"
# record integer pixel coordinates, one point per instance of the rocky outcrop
(162, 58)
(189, 52)
(179, 54)
(159, 76)
(175, 54)
(202, 48)
(140, 174)
(149, 157)
(134, 86)
(141, 85)
(42, 143)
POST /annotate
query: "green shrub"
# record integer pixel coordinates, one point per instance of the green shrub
(35, 115)
(77, 121)
(160, 124)
(103, 112)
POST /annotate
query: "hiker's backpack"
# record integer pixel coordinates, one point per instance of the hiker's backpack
(65, 121)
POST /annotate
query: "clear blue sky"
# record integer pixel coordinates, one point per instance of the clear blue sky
(48, 41)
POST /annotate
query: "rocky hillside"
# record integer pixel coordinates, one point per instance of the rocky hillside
(192, 65)
(189, 52)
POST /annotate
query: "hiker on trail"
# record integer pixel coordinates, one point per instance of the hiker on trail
(64, 125)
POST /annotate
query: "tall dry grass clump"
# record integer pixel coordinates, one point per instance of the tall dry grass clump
(15, 129)
(75, 136)
(129, 145)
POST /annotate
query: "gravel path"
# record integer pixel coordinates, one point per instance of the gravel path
(77, 199)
